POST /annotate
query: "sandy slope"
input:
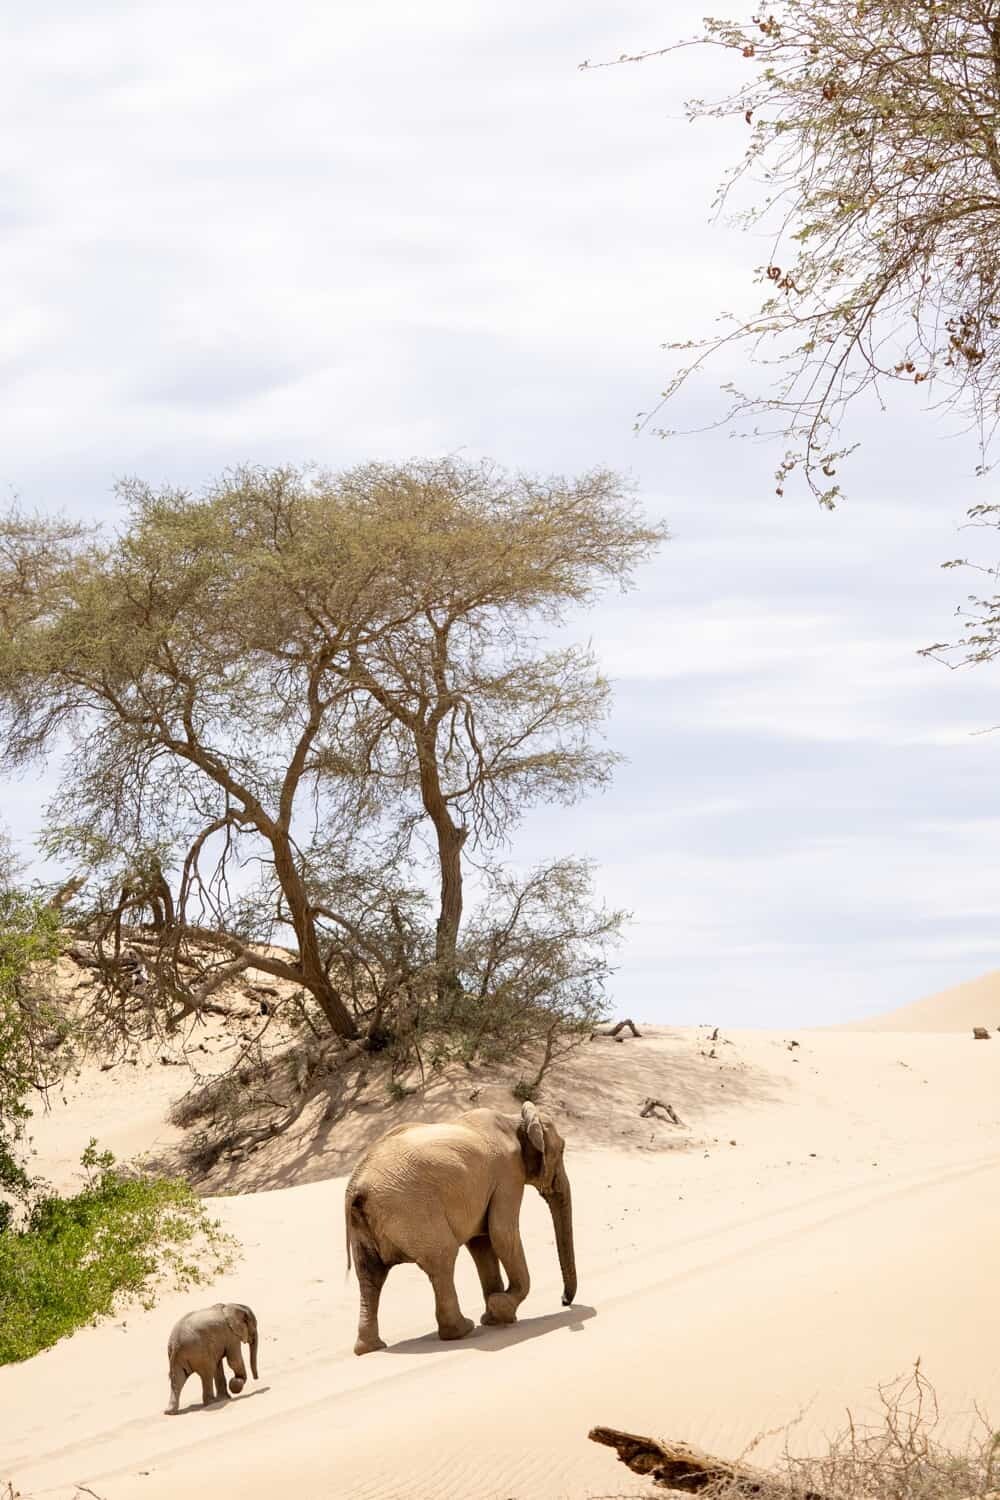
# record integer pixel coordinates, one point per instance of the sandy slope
(974, 1003)
(829, 1214)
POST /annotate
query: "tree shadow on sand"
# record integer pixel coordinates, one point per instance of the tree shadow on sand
(489, 1339)
(595, 1096)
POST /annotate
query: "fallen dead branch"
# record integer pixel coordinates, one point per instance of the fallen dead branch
(612, 1032)
(679, 1467)
(898, 1458)
(649, 1106)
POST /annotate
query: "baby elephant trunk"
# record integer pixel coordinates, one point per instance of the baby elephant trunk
(561, 1208)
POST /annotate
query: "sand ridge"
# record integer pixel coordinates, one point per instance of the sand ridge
(960, 1008)
(820, 1220)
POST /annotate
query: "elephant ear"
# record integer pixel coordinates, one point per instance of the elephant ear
(533, 1126)
(238, 1317)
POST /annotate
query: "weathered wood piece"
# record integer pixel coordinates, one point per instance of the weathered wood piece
(649, 1105)
(980, 1033)
(679, 1467)
(612, 1031)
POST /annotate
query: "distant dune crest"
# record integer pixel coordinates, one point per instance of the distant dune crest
(974, 1003)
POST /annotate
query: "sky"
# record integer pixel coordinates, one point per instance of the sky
(247, 233)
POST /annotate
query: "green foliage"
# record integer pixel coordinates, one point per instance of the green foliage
(872, 169)
(29, 939)
(77, 1258)
(330, 680)
(31, 1027)
(533, 969)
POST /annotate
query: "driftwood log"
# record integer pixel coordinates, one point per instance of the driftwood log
(650, 1105)
(612, 1031)
(679, 1467)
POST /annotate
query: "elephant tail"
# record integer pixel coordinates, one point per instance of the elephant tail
(357, 1226)
(354, 1214)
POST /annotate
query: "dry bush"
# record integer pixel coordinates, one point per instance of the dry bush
(222, 1096)
(256, 1099)
(909, 1453)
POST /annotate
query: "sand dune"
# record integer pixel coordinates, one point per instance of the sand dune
(975, 1003)
(825, 1216)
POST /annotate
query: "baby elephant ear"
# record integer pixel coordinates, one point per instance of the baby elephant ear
(533, 1125)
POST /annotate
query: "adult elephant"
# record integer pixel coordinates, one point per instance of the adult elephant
(421, 1192)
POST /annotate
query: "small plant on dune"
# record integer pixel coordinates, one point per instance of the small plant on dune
(77, 1258)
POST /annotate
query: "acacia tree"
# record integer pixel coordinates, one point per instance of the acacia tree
(873, 125)
(480, 720)
(294, 671)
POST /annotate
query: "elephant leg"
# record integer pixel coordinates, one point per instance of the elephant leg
(206, 1375)
(177, 1378)
(451, 1322)
(490, 1278)
(221, 1389)
(234, 1354)
(372, 1271)
(505, 1237)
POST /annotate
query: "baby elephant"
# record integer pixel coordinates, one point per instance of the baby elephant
(198, 1344)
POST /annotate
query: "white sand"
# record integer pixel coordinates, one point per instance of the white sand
(851, 1228)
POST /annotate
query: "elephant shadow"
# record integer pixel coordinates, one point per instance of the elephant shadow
(500, 1336)
(217, 1406)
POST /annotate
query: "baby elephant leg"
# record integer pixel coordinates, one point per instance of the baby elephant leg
(206, 1374)
(221, 1391)
(177, 1379)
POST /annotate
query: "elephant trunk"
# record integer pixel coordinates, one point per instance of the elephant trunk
(253, 1349)
(561, 1208)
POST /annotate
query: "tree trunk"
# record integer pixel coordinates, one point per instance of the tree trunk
(450, 841)
(314, 976)
(326, 994)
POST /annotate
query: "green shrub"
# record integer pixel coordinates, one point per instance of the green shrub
(76, 1258)
(31, 1026)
